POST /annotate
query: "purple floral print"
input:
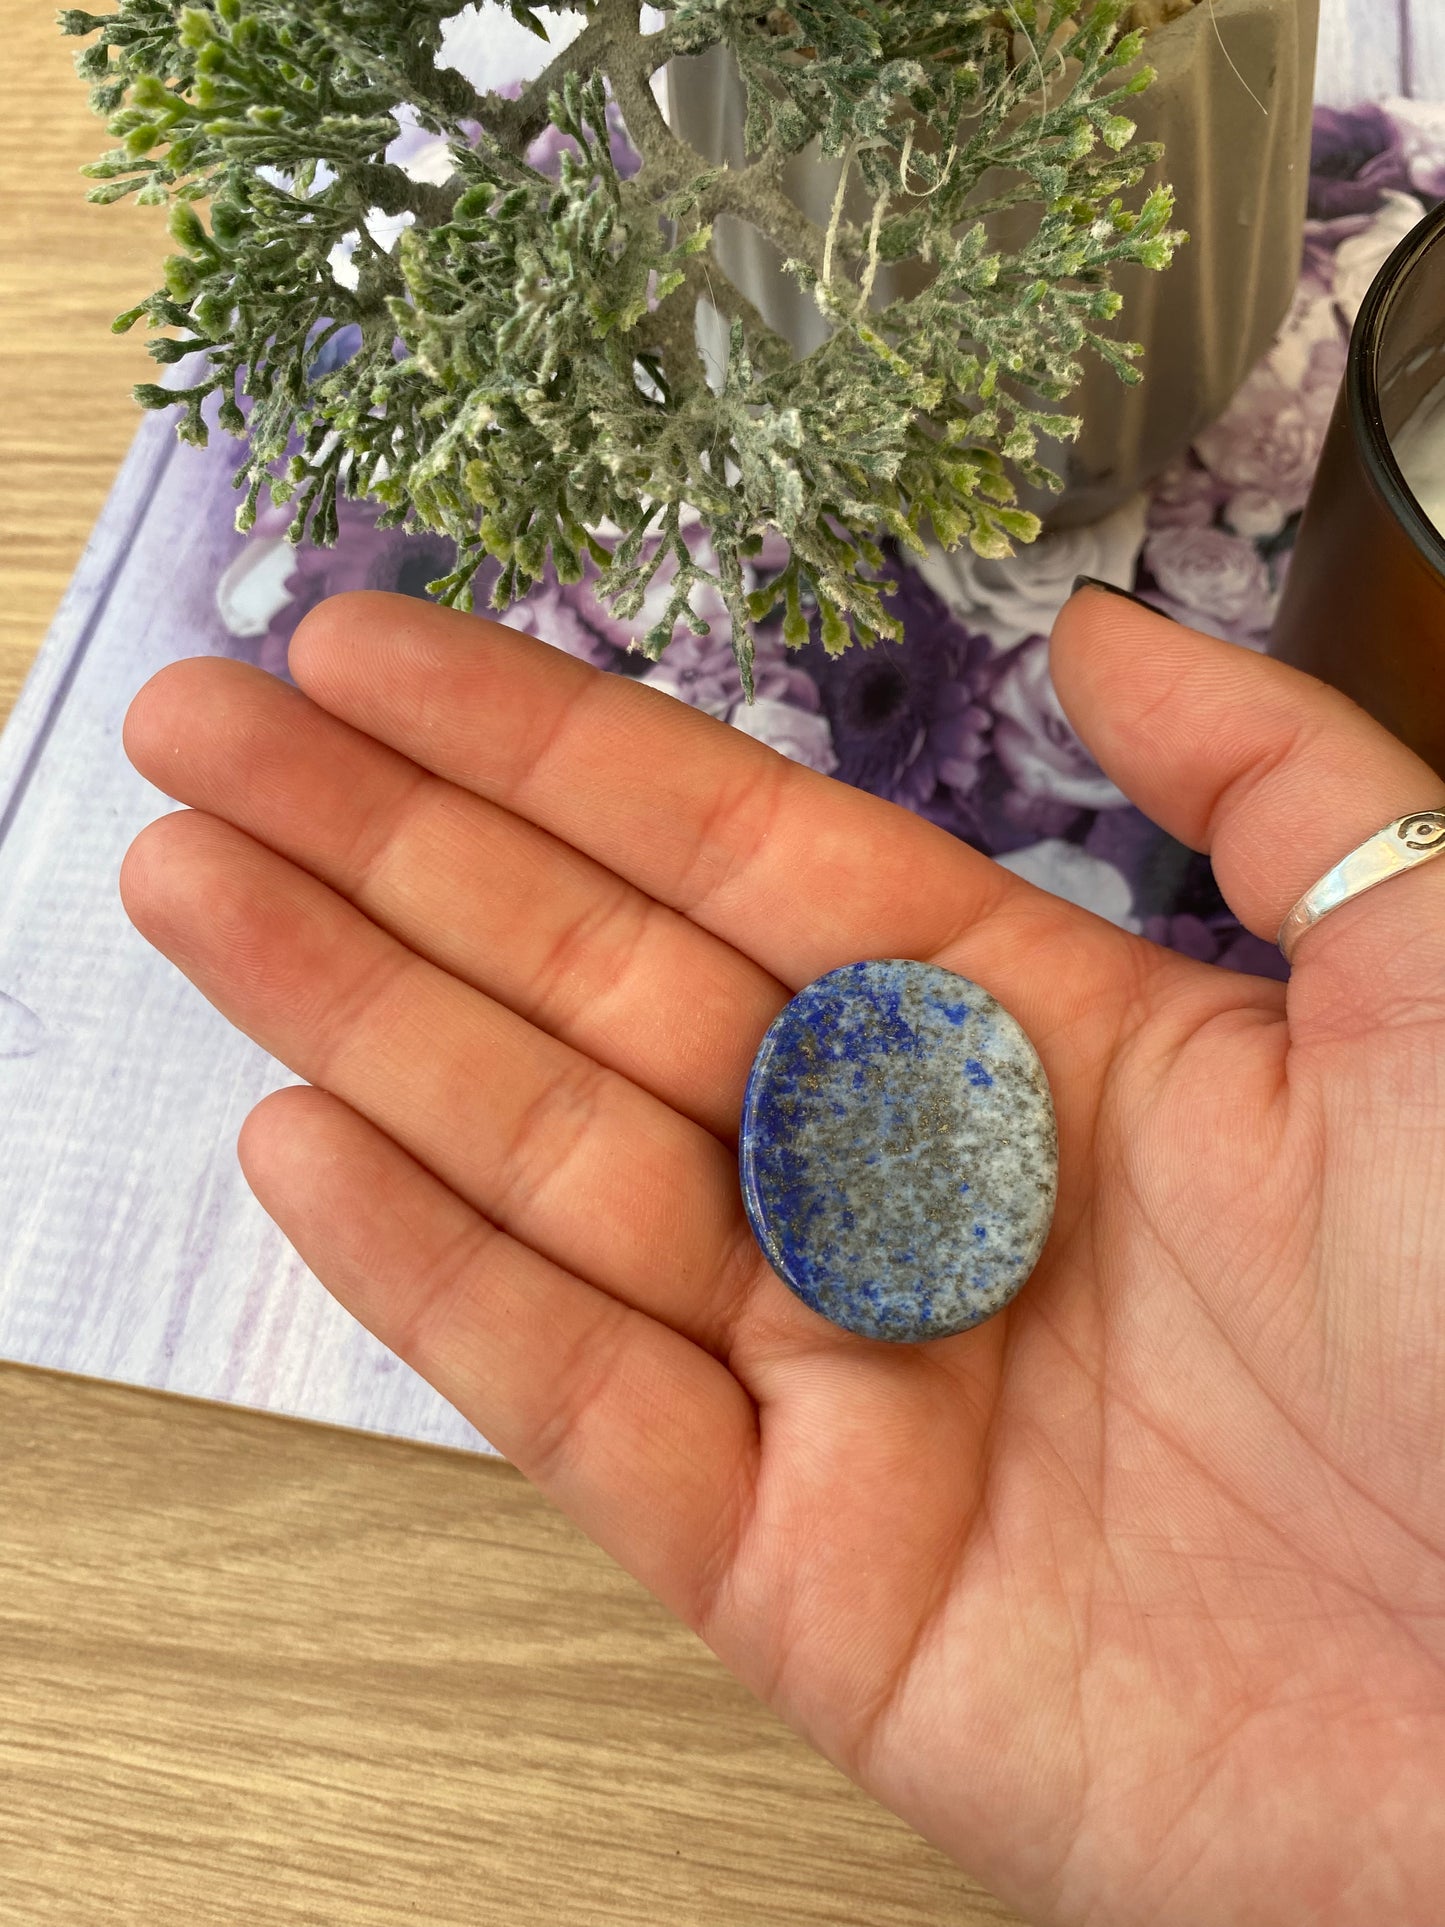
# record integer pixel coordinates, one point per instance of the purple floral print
(959, 721)
(1355, 155)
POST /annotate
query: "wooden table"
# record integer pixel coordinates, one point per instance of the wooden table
(259, 1672)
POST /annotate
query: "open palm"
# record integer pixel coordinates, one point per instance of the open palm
(1133, 1598)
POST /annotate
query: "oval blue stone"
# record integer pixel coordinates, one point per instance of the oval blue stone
(899, 1155)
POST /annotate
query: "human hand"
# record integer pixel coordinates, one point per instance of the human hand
(1131, 1599)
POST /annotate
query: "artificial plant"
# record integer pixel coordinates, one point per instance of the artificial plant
(529, 373)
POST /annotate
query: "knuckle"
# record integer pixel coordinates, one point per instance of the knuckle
(597, 947)
(733, 832)
(548, 1135)
(583, 1375)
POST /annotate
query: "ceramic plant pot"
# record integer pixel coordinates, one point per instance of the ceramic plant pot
(1232, 106)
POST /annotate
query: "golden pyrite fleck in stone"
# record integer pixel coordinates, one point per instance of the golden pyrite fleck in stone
(898, 1152)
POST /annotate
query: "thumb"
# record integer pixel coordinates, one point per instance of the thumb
(1277, 777)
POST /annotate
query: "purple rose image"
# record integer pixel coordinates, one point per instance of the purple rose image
(699, 670)
(778, 676)
(270, 586)
(1264, 450)
(574, 618)
(1313, 338)
(793, 729)
(1186, 496)
(1355, 156)
(1034, 740)
(1213, 574)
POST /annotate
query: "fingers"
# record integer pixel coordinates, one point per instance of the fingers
(791, 869)
(1276, 776)
(560, 1153)
(788, 867)
(481, 893)
(644, 1440)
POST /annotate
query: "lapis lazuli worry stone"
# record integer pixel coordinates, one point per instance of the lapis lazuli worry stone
(898, 1152)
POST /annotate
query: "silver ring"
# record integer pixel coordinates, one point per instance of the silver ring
(1400, 846)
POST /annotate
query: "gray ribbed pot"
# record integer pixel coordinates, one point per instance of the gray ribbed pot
(1232, 107)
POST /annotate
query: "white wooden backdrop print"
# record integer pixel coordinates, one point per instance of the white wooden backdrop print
(130, 1246)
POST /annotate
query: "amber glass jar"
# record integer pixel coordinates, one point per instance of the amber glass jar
(1364, 605)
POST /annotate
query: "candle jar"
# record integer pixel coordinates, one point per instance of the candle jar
(1364, 602)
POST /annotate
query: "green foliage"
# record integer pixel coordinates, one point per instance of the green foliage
(529, 370)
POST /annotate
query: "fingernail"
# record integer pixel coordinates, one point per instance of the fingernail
(1112, 588)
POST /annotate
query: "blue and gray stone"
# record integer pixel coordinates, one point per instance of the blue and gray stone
(898, 1152)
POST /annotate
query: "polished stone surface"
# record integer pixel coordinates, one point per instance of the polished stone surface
(898, 1151)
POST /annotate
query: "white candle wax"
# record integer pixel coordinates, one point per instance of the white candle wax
(1419, 448)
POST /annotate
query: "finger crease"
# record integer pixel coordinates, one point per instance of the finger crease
(732, 808)
(375, 844)
(543, 1142)
(433, 1300)
(597, 967)
(582, 1377)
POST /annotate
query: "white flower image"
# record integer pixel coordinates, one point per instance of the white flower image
(1021, 595)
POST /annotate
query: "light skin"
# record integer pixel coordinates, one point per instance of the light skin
(1131, 1599)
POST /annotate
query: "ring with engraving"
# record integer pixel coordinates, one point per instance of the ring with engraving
(1402, 845)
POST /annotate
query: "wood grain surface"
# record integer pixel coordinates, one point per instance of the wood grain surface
(254, 1671)
(259, 1672)
(66, 269)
